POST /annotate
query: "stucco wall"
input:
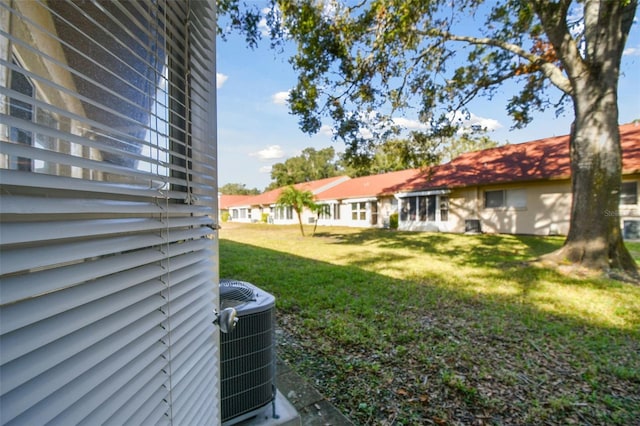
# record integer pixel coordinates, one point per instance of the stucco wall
(547, 210)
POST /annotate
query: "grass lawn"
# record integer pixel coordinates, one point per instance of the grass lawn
(421, 328)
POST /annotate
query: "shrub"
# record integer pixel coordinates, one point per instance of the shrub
(393, 221)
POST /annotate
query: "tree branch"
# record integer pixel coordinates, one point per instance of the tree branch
(551, 71)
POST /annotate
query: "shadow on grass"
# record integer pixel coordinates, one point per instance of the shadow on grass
(429, 349)
(478, 249)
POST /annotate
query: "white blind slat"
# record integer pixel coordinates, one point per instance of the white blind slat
(22, 287)
(40, 257)
(15, 233)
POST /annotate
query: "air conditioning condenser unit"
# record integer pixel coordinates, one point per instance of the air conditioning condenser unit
(247, 360)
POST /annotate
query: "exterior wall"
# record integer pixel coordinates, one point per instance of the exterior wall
(242, 214)
(547, 210)
(387, 207)
(630, 213)
(463, 205)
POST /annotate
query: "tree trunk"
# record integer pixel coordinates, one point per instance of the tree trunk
(300, 221)
(595, 238)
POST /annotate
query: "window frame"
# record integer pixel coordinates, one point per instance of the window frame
(515, 199)
(359, 211)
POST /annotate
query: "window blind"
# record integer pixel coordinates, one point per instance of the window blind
(108, 201)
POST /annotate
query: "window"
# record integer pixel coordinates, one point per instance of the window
(240, 213)
(359, 211)
(109, 276)
(444, 208)
(629, 193)
(515, 198)
(493, 199)
(324, 212)
(284, 212)
(336, 211)
(420, 208)
(374, 212)
(431, 208)
(22, 110)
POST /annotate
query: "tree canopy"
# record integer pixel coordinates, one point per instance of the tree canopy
(237, 189)
(310, 165)
(298, 200)
(361, 64)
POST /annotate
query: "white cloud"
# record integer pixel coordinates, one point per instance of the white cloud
(468, 121)
(273, 152)
(220, 79)
(265, 169)
(365, 133)
(631, 51)
(409, 124)
(280, 98)
(265, 31)
(326, 130)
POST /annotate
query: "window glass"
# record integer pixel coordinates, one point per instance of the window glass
(404, 211)
(516, 198)
(422, 209)
(431, 208)
(629, 193)
(493, 199)
(374, 212)
(444, 208)
(359, 211)
(22, 110)
(105, 90)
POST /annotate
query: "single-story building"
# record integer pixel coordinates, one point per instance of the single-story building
(248, 209)
(366, 201)
(517, 189)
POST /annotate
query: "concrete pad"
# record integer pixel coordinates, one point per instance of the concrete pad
(313, 407)
(322, 413)
(286, 415)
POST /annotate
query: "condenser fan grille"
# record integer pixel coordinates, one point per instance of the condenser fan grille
(233, 293)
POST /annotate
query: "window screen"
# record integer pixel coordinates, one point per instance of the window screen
(629, 193)
(515, 198)
(107, 166)
(494, 199)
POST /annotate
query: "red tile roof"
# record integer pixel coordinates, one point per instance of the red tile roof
(370, 186)
(225, 201)
(271, 197)
(543, 159)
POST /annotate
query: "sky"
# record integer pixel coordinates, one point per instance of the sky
(256, 130)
